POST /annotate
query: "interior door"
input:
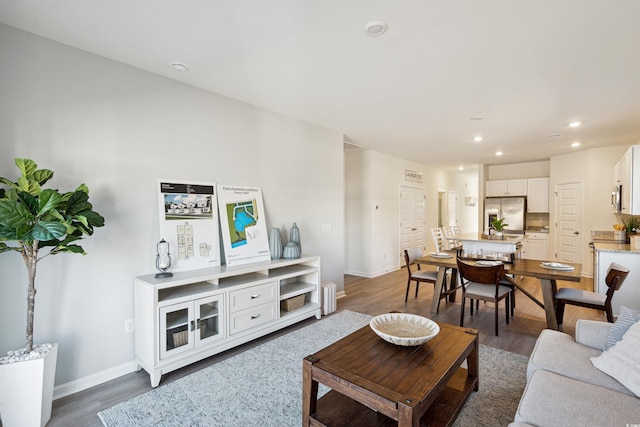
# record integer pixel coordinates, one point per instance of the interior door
(452, 210)
(412, 219)
(568, 240)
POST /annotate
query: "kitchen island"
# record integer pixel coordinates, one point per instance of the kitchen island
(483, 245)
(627, 256)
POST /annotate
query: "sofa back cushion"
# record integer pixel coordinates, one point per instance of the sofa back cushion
(626, 318)
(622, 361)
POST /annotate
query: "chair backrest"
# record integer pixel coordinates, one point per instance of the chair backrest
(455, 230)
(410, 256)
(442, 244)
(490, 275)
(615, 276)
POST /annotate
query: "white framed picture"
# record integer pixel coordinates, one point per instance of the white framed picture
(243, 224)
(189, 222)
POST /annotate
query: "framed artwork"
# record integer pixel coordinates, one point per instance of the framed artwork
(243, 224)
(189, 222)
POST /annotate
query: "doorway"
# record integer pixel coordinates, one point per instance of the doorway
(568, 222)
(412, 219)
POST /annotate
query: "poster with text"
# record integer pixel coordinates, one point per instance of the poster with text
(189, 222)
(243, 224)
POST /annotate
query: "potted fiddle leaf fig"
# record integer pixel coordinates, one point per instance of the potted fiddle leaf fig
(36, 223)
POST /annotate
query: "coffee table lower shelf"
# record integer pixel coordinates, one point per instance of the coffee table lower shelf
(335, 409)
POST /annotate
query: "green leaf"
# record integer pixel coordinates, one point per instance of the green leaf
(8, 233)
(26, 166)
(49, 200)
(29, 185)
(41, 176)
(46, 230)
(8, 183)
(76, 249)
(95, 219)
(77, 203)
(29, 201)
(14, 214)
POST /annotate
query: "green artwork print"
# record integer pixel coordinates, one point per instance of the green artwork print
(241, 215)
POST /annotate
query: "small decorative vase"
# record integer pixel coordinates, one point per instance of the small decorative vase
(291, 251)
(275, 244)
(294, 236)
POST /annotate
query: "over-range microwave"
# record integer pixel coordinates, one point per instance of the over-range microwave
(616, 198)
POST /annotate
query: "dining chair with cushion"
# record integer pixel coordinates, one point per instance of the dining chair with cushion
(482, 282)
(615, 276)
(410, 256)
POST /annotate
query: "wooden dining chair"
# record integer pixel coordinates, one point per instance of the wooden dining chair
(482, 283)
(615, 276)
(410, 256)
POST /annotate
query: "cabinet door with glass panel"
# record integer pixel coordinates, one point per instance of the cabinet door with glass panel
(190, 324)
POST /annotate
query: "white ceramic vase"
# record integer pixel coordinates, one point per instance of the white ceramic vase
(26, 393)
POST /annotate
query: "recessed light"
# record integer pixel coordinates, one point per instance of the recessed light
(574, 124)
(498, 153)
(375, 28)
(460, 168)
(179, 67)
(575, 144)
(477, 138)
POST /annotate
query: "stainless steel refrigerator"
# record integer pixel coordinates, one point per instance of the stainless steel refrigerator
(512, 209)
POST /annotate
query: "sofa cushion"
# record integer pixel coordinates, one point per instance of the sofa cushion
(626, 318)
(558, 352)
(622, 361)
(554, 400)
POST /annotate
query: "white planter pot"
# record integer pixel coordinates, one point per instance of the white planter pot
(26, 391)
(635, 241)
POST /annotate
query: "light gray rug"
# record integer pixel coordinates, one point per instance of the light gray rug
(263, 386)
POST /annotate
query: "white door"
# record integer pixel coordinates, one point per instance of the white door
(412, 219)
(568, 240)
(452, 210)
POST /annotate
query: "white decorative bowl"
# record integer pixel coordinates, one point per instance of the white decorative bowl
(404, 329)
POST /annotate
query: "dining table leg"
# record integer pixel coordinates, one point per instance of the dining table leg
(437, 290)
(549, 289)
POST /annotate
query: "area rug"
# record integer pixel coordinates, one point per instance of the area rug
(263, 385)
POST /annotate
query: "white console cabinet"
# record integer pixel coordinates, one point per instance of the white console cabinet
(196, 314)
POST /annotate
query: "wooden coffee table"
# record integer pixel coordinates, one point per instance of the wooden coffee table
(375, 383)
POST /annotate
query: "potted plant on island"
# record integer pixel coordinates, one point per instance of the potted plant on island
(499, 225)
(38, 222)
(632, 227)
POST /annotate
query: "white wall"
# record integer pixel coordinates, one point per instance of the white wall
(519, 170)
(593, 168)
(372, 207)
(118, 129)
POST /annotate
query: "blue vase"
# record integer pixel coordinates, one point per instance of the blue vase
(294, 236)
(275, 243)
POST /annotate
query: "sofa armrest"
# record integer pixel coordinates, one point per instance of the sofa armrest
(592, 333)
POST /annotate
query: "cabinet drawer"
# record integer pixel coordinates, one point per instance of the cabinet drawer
(255, 316)
(252, 297)
(537, 236)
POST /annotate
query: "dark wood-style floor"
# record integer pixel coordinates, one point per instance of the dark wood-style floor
(371, 296)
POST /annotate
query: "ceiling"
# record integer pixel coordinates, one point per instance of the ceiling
(515, 72)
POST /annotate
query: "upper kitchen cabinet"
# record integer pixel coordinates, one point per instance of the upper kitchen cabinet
(506, 187)
(538, 195)
(627, 173)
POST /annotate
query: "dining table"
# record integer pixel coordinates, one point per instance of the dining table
(541, 270)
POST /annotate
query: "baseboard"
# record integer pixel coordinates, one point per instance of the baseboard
(341, 294)
(93, 380)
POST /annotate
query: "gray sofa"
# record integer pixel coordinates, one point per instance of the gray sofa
(565, 389)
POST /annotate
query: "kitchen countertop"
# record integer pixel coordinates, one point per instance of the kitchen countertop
(615, 247)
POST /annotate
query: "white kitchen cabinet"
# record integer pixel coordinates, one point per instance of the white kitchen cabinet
(538, 195)
(196, 314)
(506, 187)
(534, 246)
(627, 172)
(629, 293)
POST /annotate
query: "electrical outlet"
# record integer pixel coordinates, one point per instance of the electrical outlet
(129, 326)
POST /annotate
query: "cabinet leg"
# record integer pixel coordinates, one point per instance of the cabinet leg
(155, 379)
